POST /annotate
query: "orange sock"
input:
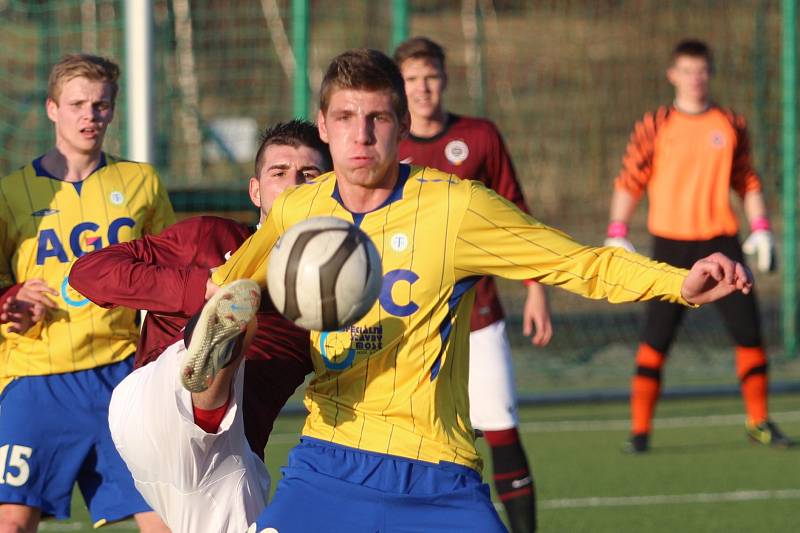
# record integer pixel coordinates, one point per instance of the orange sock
(645, 388)
(751, 369)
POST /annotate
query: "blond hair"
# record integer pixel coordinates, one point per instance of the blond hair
(91, 67)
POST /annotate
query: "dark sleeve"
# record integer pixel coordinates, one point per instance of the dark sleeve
(151, 273)
(500, 172)
(278, 338)
(6, 293)
(744, 178)
(637, 163)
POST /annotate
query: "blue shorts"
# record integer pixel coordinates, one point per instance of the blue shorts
(333, 488)
(54, 432)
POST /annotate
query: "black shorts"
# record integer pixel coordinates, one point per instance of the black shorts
(739, 311)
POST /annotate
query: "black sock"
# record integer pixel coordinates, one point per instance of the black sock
(513, 479)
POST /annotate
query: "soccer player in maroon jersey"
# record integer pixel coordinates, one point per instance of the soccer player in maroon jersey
(473, 148)
(167, 275)
(689, 157)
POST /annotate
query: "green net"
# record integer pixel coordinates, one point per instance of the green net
(563, 79)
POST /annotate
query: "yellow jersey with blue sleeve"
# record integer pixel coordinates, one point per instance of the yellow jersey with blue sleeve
(396, 382)
(47, 223)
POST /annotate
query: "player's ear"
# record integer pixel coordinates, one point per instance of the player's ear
(52, 109)
(254, 190)
(323, 129)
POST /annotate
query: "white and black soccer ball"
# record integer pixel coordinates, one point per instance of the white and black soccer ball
(324, 274)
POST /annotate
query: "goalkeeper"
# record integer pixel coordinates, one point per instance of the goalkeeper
(688, 156)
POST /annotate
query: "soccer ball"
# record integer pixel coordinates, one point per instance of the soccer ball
(324, 274)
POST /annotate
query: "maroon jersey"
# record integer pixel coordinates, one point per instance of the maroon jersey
(471, 148)
(166, 275)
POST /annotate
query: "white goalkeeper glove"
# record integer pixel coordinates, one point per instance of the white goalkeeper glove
(761, 244)
(620, 242)
(617, 235)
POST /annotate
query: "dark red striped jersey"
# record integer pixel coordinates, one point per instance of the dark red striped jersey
(471, 148)
(166, 275)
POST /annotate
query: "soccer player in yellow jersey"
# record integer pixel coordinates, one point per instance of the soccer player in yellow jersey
(62, 355)
(387, 445)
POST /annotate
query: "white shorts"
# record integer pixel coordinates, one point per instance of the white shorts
(492, 394)
(194, 480)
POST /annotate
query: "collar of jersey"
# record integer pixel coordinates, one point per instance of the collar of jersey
(449, 120)
(397, 194)
(42, 172)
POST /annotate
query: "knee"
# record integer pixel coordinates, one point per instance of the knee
(18, 520)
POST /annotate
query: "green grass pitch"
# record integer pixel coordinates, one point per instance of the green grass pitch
(702, 475)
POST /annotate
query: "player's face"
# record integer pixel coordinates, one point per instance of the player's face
(425, 83)
(83, 112)
(690, 76)
(363, 131)
(282, 167)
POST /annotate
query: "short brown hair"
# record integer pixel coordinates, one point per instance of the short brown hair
(295, 133)
(365, 69)
(693, 48)
(419, 48)
(87, 66)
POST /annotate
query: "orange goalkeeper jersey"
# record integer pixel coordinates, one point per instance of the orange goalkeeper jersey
(688, 164)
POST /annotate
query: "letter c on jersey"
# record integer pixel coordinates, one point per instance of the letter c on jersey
(49, 245)
(386, 299)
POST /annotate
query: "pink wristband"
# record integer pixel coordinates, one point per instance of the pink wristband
(760, 224)
(617, 229)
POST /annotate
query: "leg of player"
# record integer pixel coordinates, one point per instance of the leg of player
(740, 314)
(150, 522)
(493, 411)
(190, 461)
(209, 334)
(18, 518)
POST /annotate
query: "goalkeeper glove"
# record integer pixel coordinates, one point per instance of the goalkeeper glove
(617, 236)
(761, 244)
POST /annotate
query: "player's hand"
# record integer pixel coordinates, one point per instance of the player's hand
(715, 277)
(761, 244)
(36, 293)
(18, 315)
(619, 242)
(536, 316)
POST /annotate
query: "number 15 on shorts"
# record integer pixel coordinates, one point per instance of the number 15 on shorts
(14, 461)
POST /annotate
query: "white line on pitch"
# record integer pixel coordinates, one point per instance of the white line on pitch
(672, 422)
(662, 499)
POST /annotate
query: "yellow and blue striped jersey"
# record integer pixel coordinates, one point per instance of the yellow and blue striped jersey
(396, 382)
(45, 224)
